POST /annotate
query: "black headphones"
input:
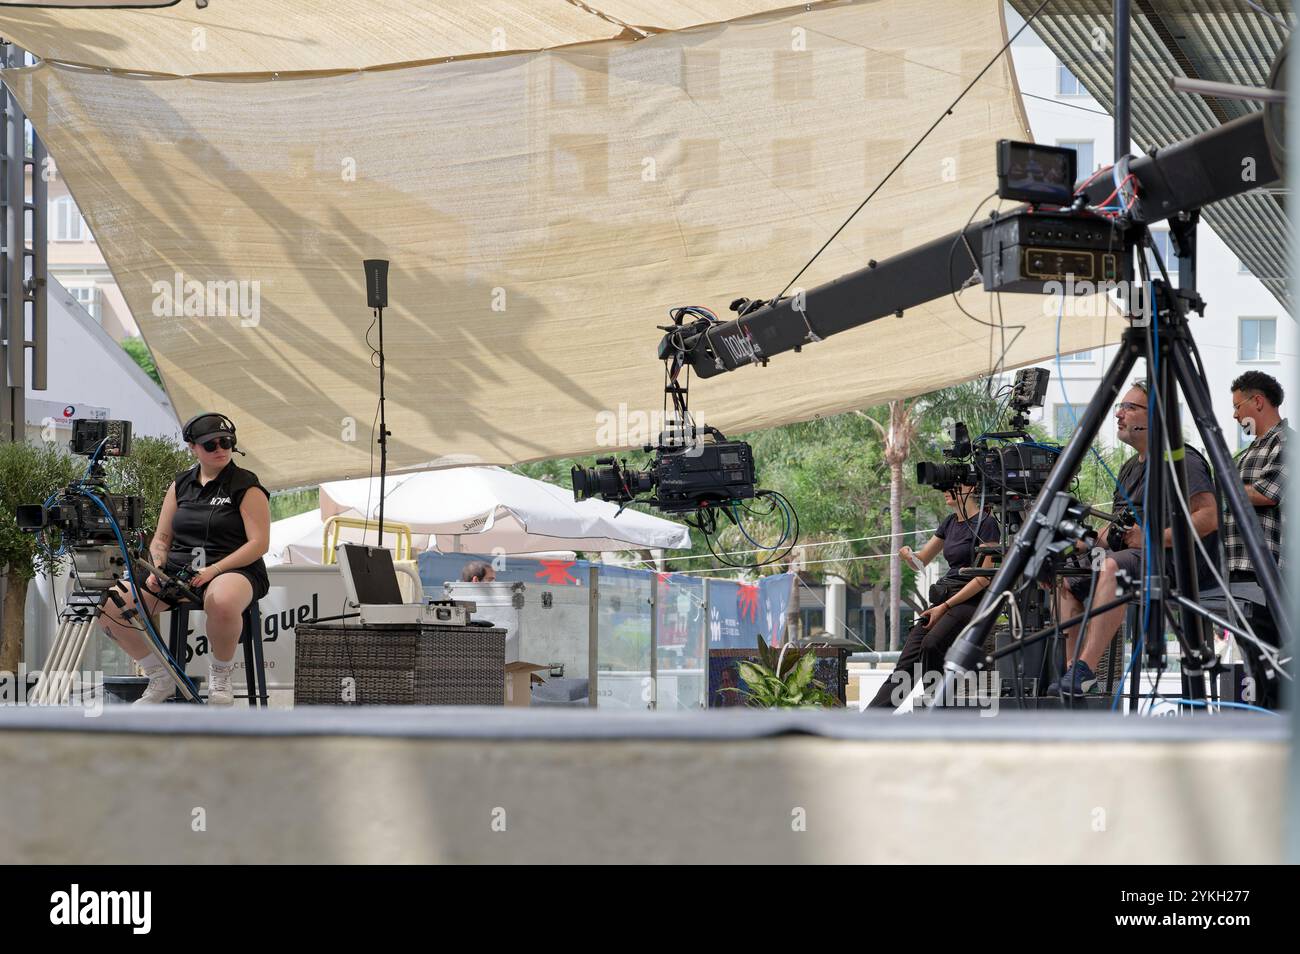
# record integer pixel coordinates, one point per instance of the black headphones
(190, 435)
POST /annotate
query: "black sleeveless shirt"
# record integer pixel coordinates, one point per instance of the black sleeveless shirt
(208, 516)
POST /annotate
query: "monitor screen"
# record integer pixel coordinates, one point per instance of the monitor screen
(371, 573)
(1033, 173)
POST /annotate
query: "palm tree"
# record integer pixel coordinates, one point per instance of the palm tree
(927, 413)
(897, 441)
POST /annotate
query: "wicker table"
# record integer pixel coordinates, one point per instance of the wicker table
(399, 665)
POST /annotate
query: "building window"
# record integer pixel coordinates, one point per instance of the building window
(1257, 340)
(1067, 84)
(66, 222)
(1163, 245)
(1083, 149)
(1065, 417)
(89, 298)
(1077, 357)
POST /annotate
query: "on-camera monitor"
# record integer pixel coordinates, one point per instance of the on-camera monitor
(1033, 173)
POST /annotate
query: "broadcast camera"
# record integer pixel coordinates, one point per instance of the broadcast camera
(685, 475)
(1005, 466)
(73, 510)
(696, 471)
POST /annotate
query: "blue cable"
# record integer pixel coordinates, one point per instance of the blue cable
(1230, 705)
(130, 572)
(63, 547)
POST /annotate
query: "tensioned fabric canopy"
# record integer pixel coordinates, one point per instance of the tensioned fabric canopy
(541, 210)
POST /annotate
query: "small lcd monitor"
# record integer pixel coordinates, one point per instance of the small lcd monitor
(1043, 175)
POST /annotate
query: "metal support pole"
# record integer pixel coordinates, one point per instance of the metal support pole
(593, 633)
(654, 642)
(1291, 542)
(38, 289)
(14, 308)
(1123, 136)
(704, 651)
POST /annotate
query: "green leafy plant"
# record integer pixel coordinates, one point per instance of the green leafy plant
(147, 472)
(141, 355)
(290, 503)
(28, 475)
(783, 680)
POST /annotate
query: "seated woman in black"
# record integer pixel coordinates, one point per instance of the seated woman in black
(953, 599)
(209, 520)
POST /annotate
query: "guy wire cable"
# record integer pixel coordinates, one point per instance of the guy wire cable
(933, 126)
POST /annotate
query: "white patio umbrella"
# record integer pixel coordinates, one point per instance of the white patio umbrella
(299, 539)
(483, 509)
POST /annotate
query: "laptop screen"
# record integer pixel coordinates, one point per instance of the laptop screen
(371, 571)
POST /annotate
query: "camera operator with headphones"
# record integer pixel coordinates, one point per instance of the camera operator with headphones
(213, 524)
(953, 600)
(1126, 546)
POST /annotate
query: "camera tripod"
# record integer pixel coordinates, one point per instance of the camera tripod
(1165, 343)
(97, 578)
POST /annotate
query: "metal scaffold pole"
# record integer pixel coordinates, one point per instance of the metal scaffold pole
(23, 270)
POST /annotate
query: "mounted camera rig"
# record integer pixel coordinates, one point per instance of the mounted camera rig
(92, 525)
(1030, 249)
(696, 472)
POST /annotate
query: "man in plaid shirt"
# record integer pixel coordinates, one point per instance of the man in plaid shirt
(1256, 397)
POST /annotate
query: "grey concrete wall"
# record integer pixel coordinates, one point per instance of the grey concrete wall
(692, 794)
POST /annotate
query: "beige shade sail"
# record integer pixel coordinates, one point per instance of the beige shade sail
(265, 36)
(542, 212)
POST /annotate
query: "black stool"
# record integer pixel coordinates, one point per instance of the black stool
(250, 636)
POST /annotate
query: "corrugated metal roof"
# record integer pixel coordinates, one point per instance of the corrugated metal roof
(1223, 40)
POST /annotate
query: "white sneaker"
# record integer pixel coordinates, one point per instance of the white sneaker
(220, 692)
(159, 690)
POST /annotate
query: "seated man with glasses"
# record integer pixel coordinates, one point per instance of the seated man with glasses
(1131, 419)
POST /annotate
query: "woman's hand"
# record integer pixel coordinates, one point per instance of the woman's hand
(204, 576)
(909, 556)
(934, 614)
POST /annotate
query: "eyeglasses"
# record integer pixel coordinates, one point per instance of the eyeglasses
(1129, 406)
(1243, 401)
(225, 443)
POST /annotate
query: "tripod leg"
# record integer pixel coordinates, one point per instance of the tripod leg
(967, 651)
(43, 681)
(1192, 631)
(1234, 491)
(76, 647)
(74, 664)
(57, 664)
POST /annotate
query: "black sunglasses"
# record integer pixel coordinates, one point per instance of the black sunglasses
(225, 443)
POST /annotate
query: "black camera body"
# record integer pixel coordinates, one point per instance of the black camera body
(78, 518)
(1124, 521)
(1006, 466)
(684, 475)
(1018, 469)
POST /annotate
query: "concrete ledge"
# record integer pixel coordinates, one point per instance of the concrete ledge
(339, 786)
